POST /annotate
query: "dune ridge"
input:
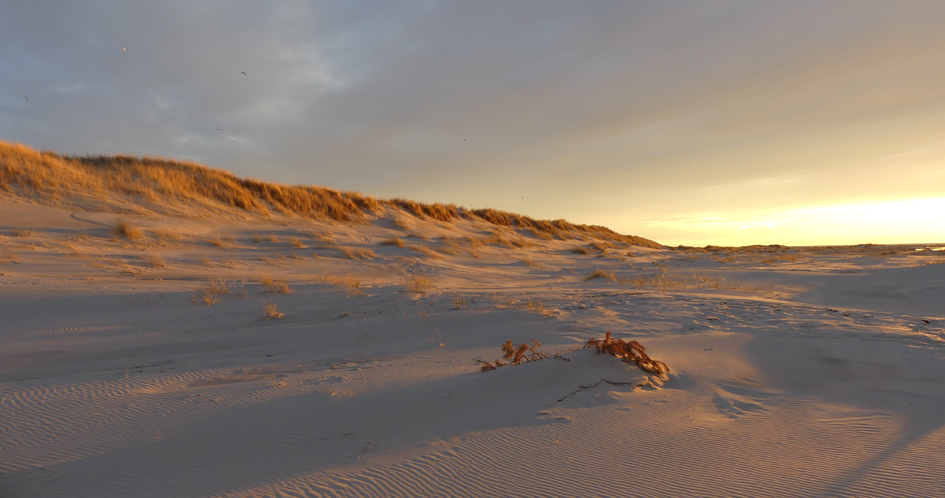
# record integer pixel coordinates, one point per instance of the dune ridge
(156, 184)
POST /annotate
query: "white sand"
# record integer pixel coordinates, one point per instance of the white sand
(818, 374)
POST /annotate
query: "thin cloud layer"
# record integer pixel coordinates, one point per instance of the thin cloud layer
(601, 112)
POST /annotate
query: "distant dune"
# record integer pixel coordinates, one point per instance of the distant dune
(154, 185)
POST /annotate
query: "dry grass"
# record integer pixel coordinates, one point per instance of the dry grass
(580, 250)
(256, 238)
(206, 262)
(531, 263)
(536, 305)
(274, 286)
(396, 241)
(222, 244)
(355, 253)
(671, 280)
(350, 282)
(459, 302)
(426, 251)
(166, 236)
(22, 232)
(127, 230)
(598, 273)
(208, 295)
(297, 242)
(510, 241)
(271, 311)
(153, 260)
(272, 238)
(401, 224)
(419, 284)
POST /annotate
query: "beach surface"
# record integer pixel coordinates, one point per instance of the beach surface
(202, 356)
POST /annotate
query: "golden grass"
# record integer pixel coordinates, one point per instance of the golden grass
(166, 236)
(598, 273)
(274, 286)
(419, 284)
(128, 230)
(25, 171)
(22, 232)
(297, 242)
(531, 263)
(256, 238)
(222, 244)
(396, 241)
(401, 224)
(536, 305)
(355, 253)
(350, 282)
(459, 302)
(427, 251)
(208, 295)
(580, 250)
(153, 260)
(272, 238)
(271, 311)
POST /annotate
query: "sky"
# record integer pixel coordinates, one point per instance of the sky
(695, 123)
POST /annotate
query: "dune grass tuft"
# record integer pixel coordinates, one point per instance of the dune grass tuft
(598, 273)
(271, 311)
(419, 284)
(128, 230)
(274, 286)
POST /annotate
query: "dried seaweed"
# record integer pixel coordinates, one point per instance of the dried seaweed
(630, 352)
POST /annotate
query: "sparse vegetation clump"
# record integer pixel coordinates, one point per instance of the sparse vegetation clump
(222, 244)
(271, 311)
(598, 273)
(274, 286)
(426, 251)
(153, 260)
(419, 284)
(128, 230)
(350, 282)
(581, 250)
(355, 253)
(396, 241)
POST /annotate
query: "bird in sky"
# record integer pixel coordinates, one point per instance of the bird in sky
(216, 129)
(27, 98)
(244, 73)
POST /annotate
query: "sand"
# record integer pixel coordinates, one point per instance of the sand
(125, 370)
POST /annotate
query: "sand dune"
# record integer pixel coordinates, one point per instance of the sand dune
(145, 366)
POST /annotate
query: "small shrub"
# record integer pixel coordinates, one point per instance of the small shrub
(272, 238)
(459, 302)
(581, 250)
(256, 238)
(297, 242)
